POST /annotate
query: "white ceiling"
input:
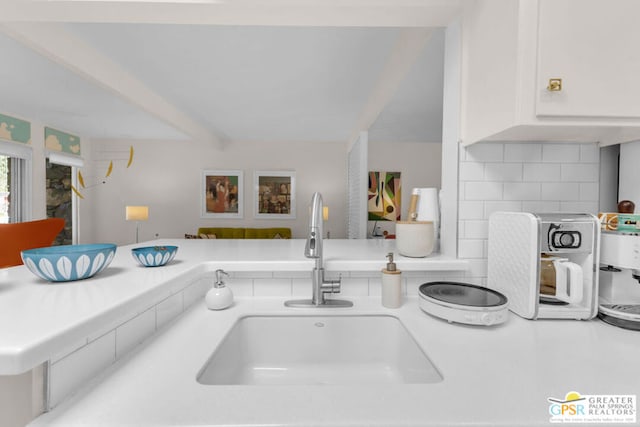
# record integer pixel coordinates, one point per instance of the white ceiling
(233, 82)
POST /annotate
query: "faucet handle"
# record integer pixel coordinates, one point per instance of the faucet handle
(332, 286)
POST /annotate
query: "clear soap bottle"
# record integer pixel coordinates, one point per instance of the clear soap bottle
(391, 284)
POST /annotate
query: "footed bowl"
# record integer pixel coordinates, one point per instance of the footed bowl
(154, 256)
(69, 262)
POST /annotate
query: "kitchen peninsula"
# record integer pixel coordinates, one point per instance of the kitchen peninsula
(499, 375)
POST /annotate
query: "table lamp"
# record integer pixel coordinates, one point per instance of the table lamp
(137, 214)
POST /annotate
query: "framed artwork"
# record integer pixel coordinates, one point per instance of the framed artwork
(222, 194)
(384, 202)
(275, 194)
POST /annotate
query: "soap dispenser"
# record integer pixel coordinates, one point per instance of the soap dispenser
(220, 296)
(391, 284)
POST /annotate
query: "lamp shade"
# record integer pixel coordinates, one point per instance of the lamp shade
(137, 213)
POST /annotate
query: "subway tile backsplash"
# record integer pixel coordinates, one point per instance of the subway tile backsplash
(521, 177)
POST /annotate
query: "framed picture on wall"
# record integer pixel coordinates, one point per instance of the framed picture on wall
(222, 194)
(275, 194)
(385, 189)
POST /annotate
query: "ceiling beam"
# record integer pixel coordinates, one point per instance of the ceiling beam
(57, 44)
(408, 47)
(368, 13)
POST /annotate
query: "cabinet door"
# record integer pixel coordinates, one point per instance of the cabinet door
(594, 47)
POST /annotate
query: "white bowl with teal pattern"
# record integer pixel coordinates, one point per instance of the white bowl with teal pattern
(69, 262)
(154, 256)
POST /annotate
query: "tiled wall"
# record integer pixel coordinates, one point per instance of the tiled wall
(76, 365)
(523, 177)
(354, 284)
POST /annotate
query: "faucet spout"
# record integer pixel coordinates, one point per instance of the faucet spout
(313, 249)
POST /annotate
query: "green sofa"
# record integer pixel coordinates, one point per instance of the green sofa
(242, 233)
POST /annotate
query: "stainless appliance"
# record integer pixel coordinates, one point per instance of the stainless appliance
(619, 279)
(522, 243)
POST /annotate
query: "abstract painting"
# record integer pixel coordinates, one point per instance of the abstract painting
(384, 196)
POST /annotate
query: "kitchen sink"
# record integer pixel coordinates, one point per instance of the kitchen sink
(306, 350)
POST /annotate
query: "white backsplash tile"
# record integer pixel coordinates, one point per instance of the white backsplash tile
(480, 190)
(471, 210)
(471, 248)
(375, 287)
(68, 350)
(476, 229)
(69, 373)
(292, 274)
(272, 287)
(560, 153)
(487, 152)
(521, 191)
(541, 206)
(523, 153)
(590, 207)
(503, 172)
(560, 191)
(590, 192)
(251, 274)
(541, 172)
(241, 287)
(301, 288)
(581, 172)
(471, 171)
(168, 309)
(529, 177)
(133, 332)
(352, 286)
(507, 205)
(477, 268)
(589, 153)
(196, 291)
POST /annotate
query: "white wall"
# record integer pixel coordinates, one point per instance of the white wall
(630, 173)
(609, 169)
(166, 176)
(420, 164)
(520, 177)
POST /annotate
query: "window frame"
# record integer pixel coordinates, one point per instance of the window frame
(22, 176)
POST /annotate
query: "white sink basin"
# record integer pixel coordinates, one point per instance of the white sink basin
(302, 350)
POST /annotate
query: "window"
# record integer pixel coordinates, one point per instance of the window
(15, 166)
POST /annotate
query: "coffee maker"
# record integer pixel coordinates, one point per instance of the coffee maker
(521, 247)
(620, 279)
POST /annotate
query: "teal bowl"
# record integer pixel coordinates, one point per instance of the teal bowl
(68, 262)
(154, 256)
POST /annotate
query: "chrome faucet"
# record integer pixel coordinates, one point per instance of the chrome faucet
(313, 249)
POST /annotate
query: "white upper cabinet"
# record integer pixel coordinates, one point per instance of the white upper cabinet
(551, 70)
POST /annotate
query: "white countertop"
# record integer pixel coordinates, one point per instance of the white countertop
(501, 375)
(39, 319)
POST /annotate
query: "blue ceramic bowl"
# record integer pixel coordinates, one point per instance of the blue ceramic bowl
(154, 256)
(68, 262)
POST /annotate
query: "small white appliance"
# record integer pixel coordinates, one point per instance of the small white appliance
(620, 279)
(464, 303)
(428, 209)
(522, 243)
